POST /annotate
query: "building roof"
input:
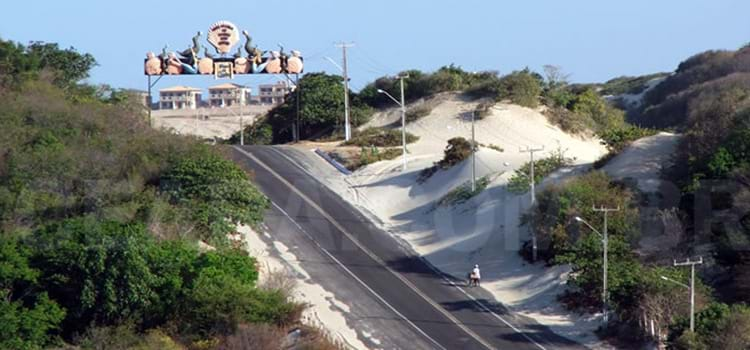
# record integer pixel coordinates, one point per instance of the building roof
(179, 88)
(227, 86)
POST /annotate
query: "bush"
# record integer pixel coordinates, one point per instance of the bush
(483, 109)
(457, 150)
(415, 113)
(259, 133)
(557, 206)
(463, 193)
(379, 137)
(372, 155)
(216, 192)
(28, 328)
(520, 181)
(522, 88)
(593, 107)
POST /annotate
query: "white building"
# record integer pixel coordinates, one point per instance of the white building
(274, 93)
(179, 97)
(228, 94)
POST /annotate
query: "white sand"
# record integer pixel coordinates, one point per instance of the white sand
(222, 127)
(324, 309)
(632, 101)
(484, 230)
(644, 160)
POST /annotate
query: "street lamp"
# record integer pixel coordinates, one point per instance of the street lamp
(604, 279)
(691, 287)
(401, 104)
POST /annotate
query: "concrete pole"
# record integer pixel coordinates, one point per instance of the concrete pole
(347, 126)
(242, 122)
(533, 200)
(605, 244)
(473, 156)
(403, 124)
(692, 298)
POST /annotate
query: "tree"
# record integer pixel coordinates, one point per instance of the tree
(216, 192)
(321, 108)
(595, 108)
(97, 270)
(19, 63)
(554, 76)
(522, 88)
(28, 328)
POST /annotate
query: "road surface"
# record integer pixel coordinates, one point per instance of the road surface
(395, 296)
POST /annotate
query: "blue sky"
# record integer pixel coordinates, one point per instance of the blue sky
(592, 40)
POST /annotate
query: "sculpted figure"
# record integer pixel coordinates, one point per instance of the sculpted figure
(294, 63)
(152, 65)
(273, 65)
(206, 64)
(174, 65)
(241, 64)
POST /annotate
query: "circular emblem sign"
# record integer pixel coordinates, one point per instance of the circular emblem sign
(223, 35)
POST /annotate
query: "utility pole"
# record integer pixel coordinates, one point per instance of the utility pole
(692, 264)
(473, 156)
(296, 124)
(533, 198)
(605, 243)
(347, 127)
(242, 126)
(403, 121)
(149, 100)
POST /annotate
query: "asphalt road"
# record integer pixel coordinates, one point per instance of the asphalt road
(397, 295)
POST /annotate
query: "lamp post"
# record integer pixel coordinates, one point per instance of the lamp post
(401, 104)
(691, 287)
(604, 278)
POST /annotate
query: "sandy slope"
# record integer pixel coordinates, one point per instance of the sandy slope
(324, 309)
(644, 160)
(484, 230)
(222, 127)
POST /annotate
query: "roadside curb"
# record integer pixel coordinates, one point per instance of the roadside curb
(333, 162)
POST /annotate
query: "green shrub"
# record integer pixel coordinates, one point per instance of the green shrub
(483, 109)
(520, 183)
(629, 85)
(372, 155)
(593, 107)
(29, 328)
(463, 192)
(457, 150)
(216, 192)
(522, 88)
(558, 205)
(379, 137)
(415, 113)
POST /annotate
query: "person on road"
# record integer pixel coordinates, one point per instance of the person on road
(475, 276)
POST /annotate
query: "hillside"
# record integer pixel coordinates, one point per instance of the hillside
(485, 229)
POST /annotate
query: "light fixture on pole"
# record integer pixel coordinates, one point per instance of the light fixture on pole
(604, 277)
(691, 287)
(401, 104)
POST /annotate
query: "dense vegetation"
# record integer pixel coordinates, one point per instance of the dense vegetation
(321, 104)
(521, 179)
(708, 99)
(100, 218)
(635, 289)
(521, 87)
(628, 85)
(379, 137)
